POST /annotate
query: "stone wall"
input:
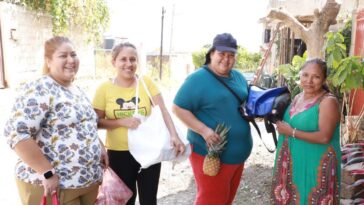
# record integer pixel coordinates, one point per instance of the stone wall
(23, 50)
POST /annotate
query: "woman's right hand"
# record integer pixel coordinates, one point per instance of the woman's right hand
(50, 185)
(210, 136)
(131, 122)
(284, 128)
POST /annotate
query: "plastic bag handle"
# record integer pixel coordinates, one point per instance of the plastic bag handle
(54, 200)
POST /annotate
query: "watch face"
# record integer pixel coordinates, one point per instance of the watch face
(48, 174)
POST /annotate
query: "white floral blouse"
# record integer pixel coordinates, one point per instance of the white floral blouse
(64, 125)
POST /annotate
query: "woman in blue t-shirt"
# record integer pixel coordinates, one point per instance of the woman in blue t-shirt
(202, 103)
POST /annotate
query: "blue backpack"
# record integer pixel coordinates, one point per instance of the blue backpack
(269, 104)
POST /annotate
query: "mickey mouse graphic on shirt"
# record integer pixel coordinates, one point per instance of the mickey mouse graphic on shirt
(127, 108)
(124, 105)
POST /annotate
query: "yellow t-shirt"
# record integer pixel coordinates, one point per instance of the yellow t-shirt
(118, 103)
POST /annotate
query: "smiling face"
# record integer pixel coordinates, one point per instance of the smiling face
(126, 62)
(63, 64)
(312, 78)
(222, 62)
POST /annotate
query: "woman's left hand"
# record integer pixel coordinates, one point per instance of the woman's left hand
(104, 158)
(178, 145)
(50, 185)
(284, 128)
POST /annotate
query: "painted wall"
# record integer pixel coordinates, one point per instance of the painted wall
(358, 51)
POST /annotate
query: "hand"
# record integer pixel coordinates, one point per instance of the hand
(131, 122)
(104, 157)
(178, 145)
(50, 185)
(210, 136)
(284, 128)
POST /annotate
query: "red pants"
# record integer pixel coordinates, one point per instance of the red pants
(217, 190)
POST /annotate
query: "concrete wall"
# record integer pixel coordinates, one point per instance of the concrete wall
(23, 55)
(297, 7)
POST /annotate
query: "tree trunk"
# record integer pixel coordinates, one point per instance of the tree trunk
(314, 35)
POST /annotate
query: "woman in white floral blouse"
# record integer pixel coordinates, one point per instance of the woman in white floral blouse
(53, 130)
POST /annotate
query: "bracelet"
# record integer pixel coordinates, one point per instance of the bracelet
(293, 133)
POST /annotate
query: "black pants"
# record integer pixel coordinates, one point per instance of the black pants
(127, 168)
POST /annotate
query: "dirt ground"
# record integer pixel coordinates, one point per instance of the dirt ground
(177, 185)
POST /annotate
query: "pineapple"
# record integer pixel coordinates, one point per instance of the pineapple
(211, 163)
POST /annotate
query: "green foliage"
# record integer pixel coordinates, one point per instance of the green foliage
(245, 60)
(346, 33)
(347, 73)
(335, 49)
(198, 57)
(92, 16)
(290, 72)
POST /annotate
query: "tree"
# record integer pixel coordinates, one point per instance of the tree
(198, 57)
(347, 75)
(314, 35)
(92, 16)
(245, 60)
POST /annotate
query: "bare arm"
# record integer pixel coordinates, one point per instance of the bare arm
(329, 116)
(30, 153)
(175, 140)
(104, 123)
(196, 125)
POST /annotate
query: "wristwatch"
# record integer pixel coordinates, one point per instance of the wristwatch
(48, 174)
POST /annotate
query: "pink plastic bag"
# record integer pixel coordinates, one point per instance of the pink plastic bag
(112, 191)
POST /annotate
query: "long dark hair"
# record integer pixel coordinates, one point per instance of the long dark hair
(208, 57)
(322, 65)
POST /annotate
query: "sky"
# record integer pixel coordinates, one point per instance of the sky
(188, 24)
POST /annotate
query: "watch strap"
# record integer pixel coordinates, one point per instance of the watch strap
(48, 174)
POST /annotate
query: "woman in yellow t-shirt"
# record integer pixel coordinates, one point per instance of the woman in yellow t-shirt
(114, 103)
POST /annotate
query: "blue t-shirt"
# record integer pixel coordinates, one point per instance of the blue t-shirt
(212, 103)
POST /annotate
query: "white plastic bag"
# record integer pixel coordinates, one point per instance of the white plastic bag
(150, 143)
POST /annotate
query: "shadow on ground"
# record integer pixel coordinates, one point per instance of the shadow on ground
(254, 188)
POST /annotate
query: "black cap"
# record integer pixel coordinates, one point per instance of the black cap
(225, 42)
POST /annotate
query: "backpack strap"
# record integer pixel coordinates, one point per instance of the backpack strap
(241, 110)
(270, 129)
(222, 82)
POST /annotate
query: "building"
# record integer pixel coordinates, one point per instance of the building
(22, 36)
